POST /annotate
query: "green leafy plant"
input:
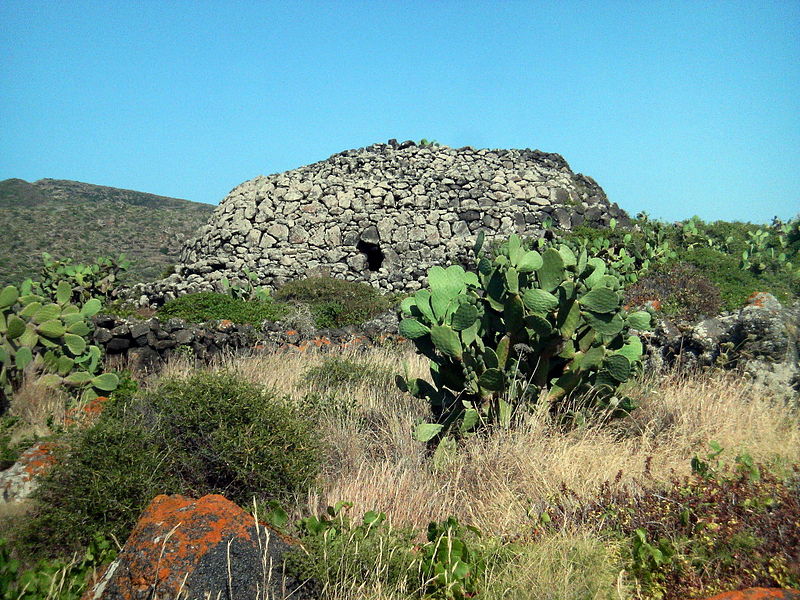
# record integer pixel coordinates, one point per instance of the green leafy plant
(426, 143)
(62, 579)
(527, 327)
(95, 280)
(245, 288)
(627, 254)
(335, 302)
(46, 339)
(709, 465)
(450, 565)
(211, 306)
(649, 557)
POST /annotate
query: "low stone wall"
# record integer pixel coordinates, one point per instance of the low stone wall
(148, 343)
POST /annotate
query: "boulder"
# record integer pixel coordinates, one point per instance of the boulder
(762, 340)
(18, 482)
(199, 549)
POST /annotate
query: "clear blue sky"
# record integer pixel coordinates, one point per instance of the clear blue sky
(675, 108)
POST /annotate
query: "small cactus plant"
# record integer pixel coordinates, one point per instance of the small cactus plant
(526, 327)
(47, 338)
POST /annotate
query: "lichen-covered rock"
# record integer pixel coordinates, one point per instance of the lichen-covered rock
(382, 214)
(759, 594)
(762, 340)
(20, 480)
(206, 548)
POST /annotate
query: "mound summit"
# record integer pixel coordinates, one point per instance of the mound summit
(383, 214)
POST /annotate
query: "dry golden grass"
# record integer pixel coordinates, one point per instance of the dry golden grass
(38, 409)
(496, 480)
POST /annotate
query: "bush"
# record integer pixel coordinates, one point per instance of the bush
(210, 433)
(680, 289)
(211, 306)
(735, 284)
(335, 302)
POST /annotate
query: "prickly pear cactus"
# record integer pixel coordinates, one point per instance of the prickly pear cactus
(527, 327)
(45, 338)
(96, 280)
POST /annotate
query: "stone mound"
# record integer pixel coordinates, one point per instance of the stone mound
(382, 214)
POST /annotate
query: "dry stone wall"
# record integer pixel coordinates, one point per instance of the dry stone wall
(382, 214)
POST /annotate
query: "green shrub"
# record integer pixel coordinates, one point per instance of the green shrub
(335, 302)
(210, 433)
(735, 284)
(211, 306)
(679, 290)
(99, 486)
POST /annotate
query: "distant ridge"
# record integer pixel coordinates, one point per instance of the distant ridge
(72, 219)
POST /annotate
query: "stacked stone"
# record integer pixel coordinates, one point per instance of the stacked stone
(382, 214)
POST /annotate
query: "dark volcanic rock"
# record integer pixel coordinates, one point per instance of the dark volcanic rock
(204, 548)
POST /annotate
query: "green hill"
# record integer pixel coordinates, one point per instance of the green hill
(70, 219)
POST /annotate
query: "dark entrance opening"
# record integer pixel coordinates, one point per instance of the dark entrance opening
(373, 253)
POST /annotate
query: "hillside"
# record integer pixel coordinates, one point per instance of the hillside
(83, 221)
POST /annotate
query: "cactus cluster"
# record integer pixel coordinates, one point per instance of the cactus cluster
(96, 280)
(771, 247)
(527, 327)
(627, 257)
(46, 339)
(245, 288)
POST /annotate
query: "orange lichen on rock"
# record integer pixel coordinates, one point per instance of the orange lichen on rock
(759, 594)
(18, 482)
(86, 414)
(181, 545)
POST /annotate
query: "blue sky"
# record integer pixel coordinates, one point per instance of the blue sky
(675, 108)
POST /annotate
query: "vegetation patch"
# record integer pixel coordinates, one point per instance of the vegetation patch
(212, 306)
(334, 302)
(679, 290)
(210, 433)
(719, 529)
(735, 284)
(336, 372)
